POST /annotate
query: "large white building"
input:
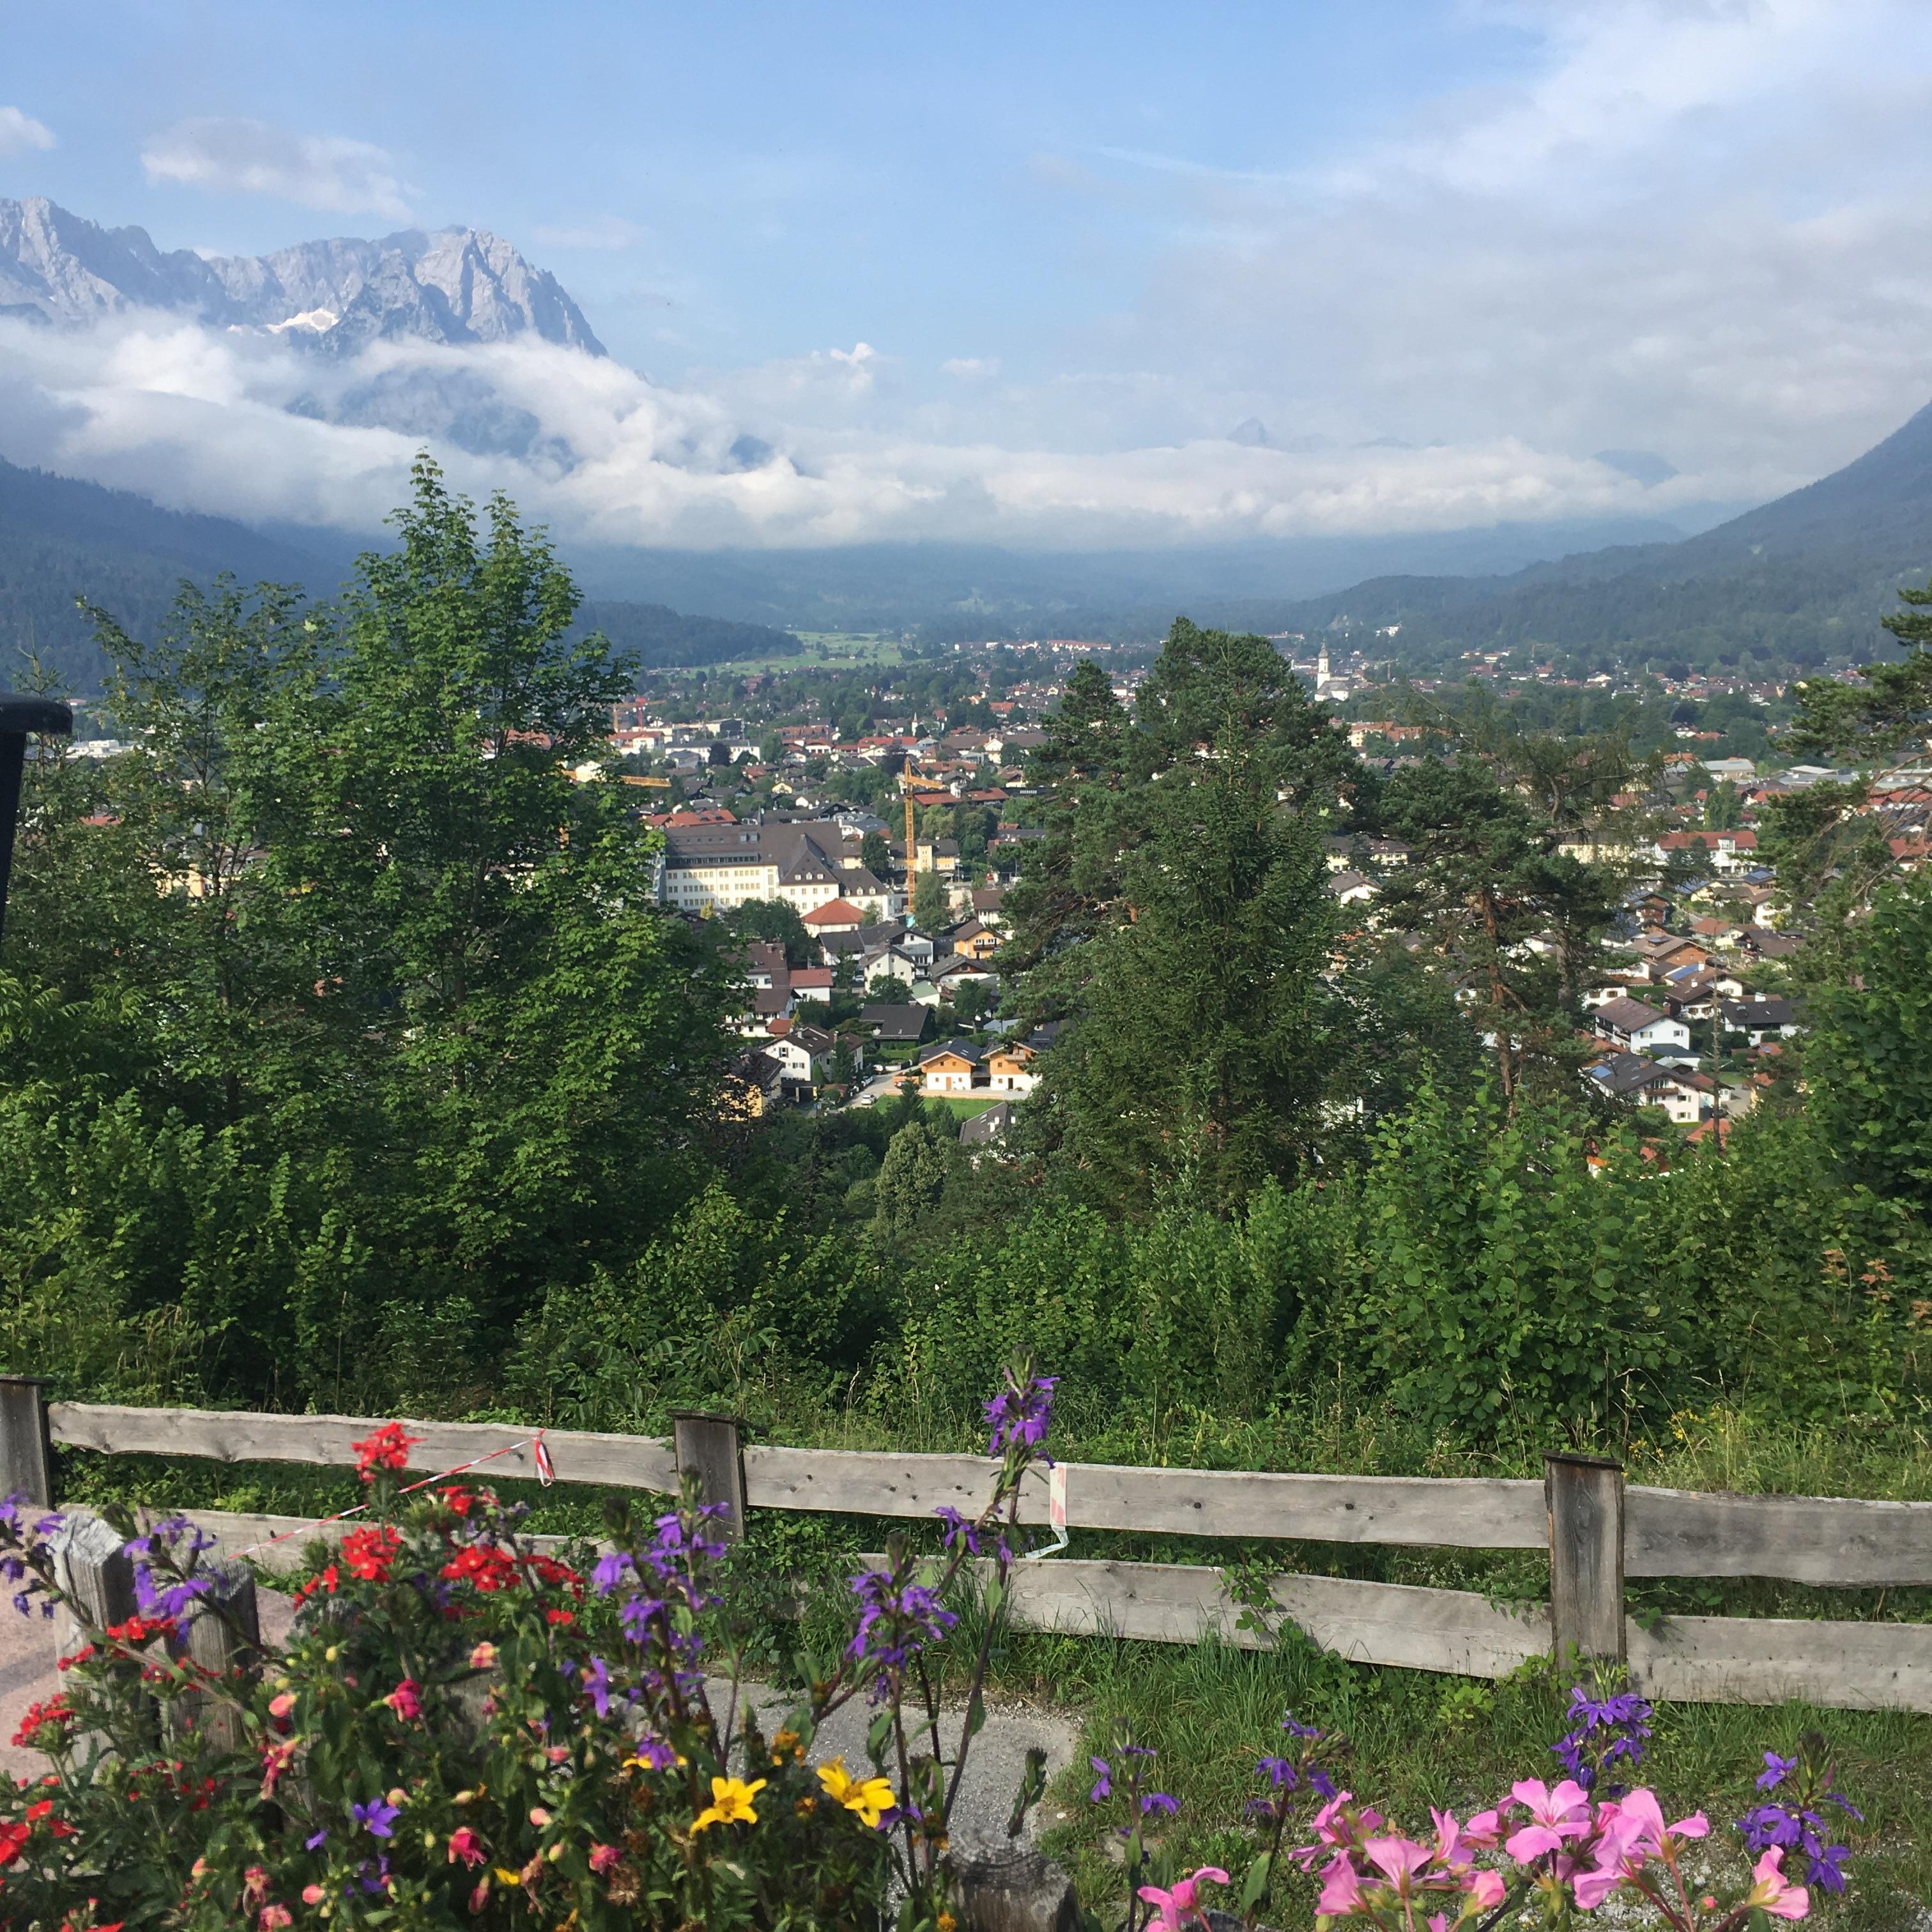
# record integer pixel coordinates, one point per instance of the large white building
(721, 866)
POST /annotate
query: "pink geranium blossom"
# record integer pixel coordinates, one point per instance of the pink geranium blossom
(1170, 1906)
(1770, 1892)
(1554, 1817)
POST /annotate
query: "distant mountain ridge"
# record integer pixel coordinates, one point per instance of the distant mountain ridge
(61, 539)
(1801, 579)
(455, 285)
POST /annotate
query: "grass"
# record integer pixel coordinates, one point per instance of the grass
(849, 648)
(966, 1107)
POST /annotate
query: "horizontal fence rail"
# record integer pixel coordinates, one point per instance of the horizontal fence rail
(1596, 1532)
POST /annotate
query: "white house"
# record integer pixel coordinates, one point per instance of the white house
(1638, 1028)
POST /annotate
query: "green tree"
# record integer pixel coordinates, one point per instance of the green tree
(1869, 1056)
(772, 919)
(1887, 711)
(875, 855)
(929, 910)
(911, 1178)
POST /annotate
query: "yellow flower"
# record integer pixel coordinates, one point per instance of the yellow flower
(506, 1876)
(731, 1803)
(868, 1799)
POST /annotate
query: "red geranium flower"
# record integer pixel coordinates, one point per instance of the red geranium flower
(369, 1552)
(388, 1448)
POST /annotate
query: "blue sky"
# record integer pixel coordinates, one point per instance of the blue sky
(951, 182)
(1445, 250)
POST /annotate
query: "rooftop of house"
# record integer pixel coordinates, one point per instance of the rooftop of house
(1627, 1016)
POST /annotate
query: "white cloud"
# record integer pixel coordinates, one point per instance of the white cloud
(970, 367)
(242, 156)
(19, 132)
(200, 417)
(603, 232)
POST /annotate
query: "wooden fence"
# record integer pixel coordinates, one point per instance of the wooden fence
(1596, 1531)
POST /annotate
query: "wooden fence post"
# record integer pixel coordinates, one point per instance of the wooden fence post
(1584, 1496)
(707, 1447)
(26, 1454)
(96, 1572)
(223, 1636)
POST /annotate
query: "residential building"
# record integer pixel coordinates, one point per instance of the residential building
(949, 1069)
(989, 1128)
(1009, 1068)
(1638, 1028)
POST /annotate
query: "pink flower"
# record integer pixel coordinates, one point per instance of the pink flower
(274, 1918)
(1554, 1817)
(1399, 1861)
(465, 1845)
(1341, 1889)
(280, 1706)
(1485, 1830)
(603, 1857)
(483, 1657)
(313, 1894)
(480, 1897)
(1651, 1834)
(539, 1817)
(1486, 1890)
(1169, 1905)
(1449, 1847)
(254, 1885)
(405, 1700)
(1771, 1893)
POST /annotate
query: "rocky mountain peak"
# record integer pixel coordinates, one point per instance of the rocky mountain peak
(454, 285)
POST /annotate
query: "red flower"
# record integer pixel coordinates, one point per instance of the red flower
(388, 1448)
(327, 1581)
(54, 1714)
(487, 1568)
(13, 1841)
(142, 1630)
(459, 1499)
(369, 1552)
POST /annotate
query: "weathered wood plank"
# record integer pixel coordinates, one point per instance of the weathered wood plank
(1824, 1539)
(1454, 1512)
(1843, 1666)
(615, 1461)
(1398, 1624)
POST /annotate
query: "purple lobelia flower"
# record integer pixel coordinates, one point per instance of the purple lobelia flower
(1103, 1784)
(897, 1620)
(597, 1685)
(958, 1528)
(1798, 1823)
(378, 1817)
(1021, 1414)
(1604, 1732)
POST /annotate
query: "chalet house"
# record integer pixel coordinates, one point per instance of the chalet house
(1638, 1028)
(1009, 1068)
(803, 1052)
(1760, 1020)
(1686, 1097)
(812, 982)
(949, 1069)
(1351, 888)
(975, 940)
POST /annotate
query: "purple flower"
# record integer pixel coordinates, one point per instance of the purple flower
(655, 1752)
(1159, 1801)
(1604, 1731)
(1280, 1772)
(316, 1839)
(597, 1686)
(1019, 1415)
(636, 1615)
(1776, 1771)
(1322, 1784)
(378, 1816)
(611, 1570)
(1297, 1729)
(1103, 1785)
(957, 1527)
(898, 1620)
